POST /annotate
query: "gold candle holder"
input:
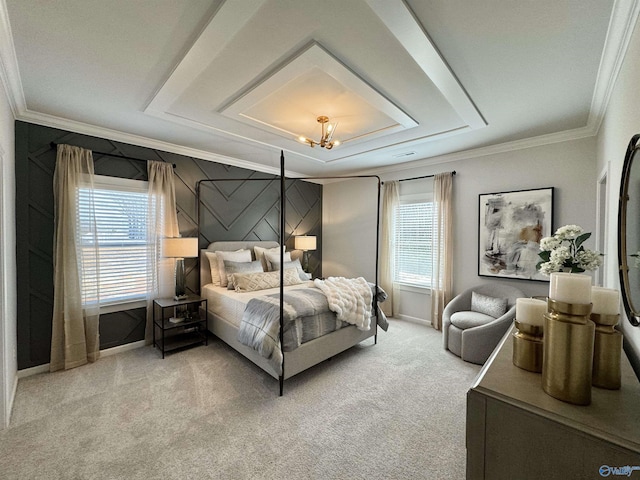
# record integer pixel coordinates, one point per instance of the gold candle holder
(527, 347)
(607, 350)
(567, 359)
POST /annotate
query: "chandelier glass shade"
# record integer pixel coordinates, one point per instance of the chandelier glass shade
(326, 138)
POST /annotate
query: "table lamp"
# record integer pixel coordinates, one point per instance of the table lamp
(305, 243)
(180, 248)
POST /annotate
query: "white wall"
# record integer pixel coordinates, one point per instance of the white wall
(349, 228)
(621, 122)
(8, 326)
(570, 167)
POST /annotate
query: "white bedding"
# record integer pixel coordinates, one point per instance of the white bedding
(230, 304)
(350, 298)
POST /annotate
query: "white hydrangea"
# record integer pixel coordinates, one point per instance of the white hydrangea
(588, 259)
(562, 251)
(560, 254)
(569, 232)
(549, 243)
(548, 268)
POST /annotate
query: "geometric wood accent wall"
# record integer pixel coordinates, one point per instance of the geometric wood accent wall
(236, 210)
(249, 209)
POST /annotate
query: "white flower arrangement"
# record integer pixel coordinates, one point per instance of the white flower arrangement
(565, 251)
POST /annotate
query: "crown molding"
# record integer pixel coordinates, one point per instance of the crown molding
(623, 20)
(532, 142)
(624, 16)
(9, 71)
(138, 140)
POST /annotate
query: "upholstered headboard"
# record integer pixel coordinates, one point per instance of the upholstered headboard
(205, 269)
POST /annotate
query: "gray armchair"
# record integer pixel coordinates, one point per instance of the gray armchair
(471, 335)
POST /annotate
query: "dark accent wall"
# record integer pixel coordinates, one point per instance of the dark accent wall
(231, 210)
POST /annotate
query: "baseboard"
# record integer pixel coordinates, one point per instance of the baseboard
(9, 406)
(107, 352)
(27, 372)
(407, 318)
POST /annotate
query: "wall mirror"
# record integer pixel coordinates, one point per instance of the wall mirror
(629, 232)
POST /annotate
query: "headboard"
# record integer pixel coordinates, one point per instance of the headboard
(205, 269)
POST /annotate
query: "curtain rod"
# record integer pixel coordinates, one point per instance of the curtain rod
(418, 178)
(54, 145)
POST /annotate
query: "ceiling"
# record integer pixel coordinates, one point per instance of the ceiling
(409, 82)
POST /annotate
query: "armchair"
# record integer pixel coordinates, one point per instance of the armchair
(471, 335)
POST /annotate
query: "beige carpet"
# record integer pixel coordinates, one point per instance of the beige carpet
(395, 410)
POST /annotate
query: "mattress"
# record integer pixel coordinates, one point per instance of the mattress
(230, 305)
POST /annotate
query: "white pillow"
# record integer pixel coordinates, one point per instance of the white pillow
(273, 260)
(292, 264)
(231, 268)
(237, 256)
(250, 282)
(260, 251)
(213, 265)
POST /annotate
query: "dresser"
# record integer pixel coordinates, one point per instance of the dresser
(516, 431)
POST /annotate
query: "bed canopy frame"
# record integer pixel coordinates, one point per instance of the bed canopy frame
(281, 233)
(283, 179)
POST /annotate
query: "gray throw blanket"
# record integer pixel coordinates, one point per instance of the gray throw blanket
(260, 327)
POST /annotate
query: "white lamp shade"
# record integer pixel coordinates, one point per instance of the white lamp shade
(182, 247)
(305, 242)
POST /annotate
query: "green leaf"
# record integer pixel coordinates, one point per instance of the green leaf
(545, 256)
(581, 239)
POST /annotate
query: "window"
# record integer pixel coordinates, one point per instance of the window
(414, 241)
(121, 209)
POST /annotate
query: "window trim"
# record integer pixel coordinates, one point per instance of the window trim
(120, 184)
(406, 199)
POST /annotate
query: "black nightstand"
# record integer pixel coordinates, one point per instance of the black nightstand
(192, 330)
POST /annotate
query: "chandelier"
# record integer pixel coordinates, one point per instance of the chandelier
(326, 139)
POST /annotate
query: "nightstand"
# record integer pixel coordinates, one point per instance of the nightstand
(190, 330)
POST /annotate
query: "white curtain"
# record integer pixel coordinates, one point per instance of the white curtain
(390, 201)
(74, 335)
(442, 268)
(163, 222)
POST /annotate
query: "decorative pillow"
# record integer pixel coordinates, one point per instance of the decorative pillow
(292, 264)
(213, 265)
(237, 256)
(260, 251)
(250, 282)
(231, 268)
(494, 307)
(274, 259)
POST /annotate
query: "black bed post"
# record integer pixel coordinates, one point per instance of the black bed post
(375, 293)
(282, 227)
(199, 233)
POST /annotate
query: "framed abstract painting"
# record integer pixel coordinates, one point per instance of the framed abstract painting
(510, 227)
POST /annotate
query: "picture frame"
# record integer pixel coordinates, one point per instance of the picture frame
(510, 227)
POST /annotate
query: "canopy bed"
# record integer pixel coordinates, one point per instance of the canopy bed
(262, 304)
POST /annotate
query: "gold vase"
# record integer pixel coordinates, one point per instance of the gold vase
(607, 350)
(527, 347)
(567, 360)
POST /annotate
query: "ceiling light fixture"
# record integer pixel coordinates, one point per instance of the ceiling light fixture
(326, 139)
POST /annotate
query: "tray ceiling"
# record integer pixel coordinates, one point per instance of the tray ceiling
(240, 80)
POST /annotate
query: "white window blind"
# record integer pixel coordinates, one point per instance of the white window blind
(121, 211)
(414, 243)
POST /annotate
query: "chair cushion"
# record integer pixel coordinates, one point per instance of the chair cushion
(494, 307)
(464, 320)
